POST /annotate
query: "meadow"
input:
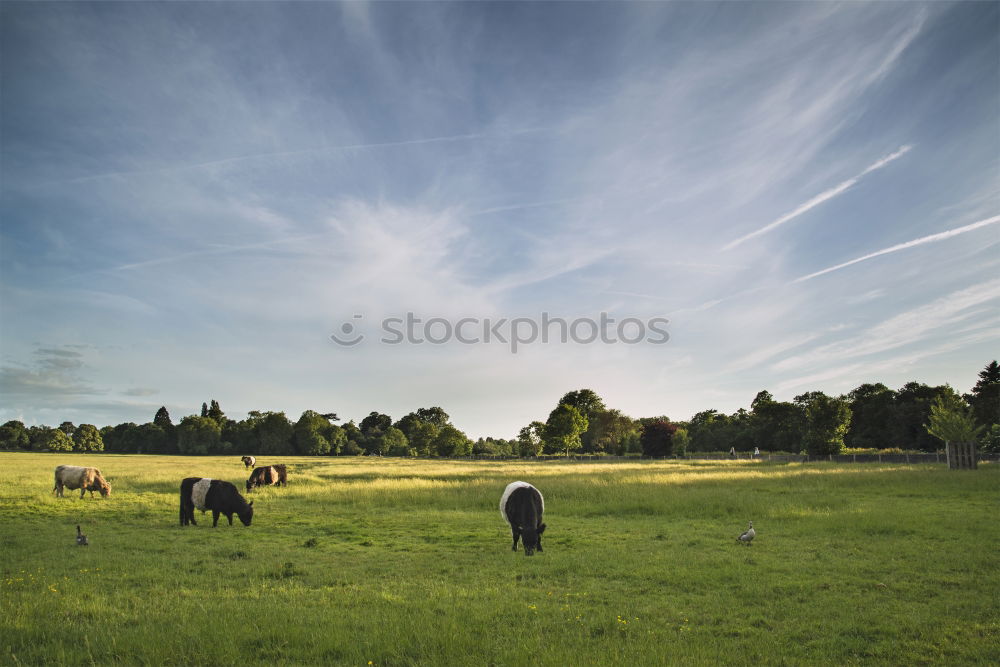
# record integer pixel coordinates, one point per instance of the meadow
(362, 561)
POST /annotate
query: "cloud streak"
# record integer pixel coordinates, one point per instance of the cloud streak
(821, 198)
(933, 238)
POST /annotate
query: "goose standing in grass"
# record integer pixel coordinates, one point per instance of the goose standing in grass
(748, 535)
(81, 539)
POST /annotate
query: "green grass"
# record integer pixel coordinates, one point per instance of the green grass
(402, 562)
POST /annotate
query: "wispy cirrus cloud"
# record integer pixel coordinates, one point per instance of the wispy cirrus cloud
(821, 198)
(933, 238)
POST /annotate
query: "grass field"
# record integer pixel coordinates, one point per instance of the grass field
(397, 562)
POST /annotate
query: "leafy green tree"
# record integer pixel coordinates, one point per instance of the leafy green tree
(355, 439)
(153, 439)
(433, 415)
(375, 421)
(991, 439)
(337, 437)
(204, 409)
(985, 396)
(67, 428)
(120, 439)
(608, 431)
(13, 435)
(394, 443)
(709, 431)
(309, 434)
(241, 435)
(198, 435)
(451, 442)
(591, 406)
(827, 419)
(952, 421)
(563, 429)
(215, 412)
(657, 438)
(911, 411)
(86, 438)
(680, 441)
(274, 433)
(776, 425)
(45, 439)
(530, 439)
(872, 413)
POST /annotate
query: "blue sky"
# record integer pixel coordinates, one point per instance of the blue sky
(194, 197)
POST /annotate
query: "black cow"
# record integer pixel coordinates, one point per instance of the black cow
(213, 494)
(266, 475)
(522, 506)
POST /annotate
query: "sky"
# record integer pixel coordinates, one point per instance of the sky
(198, 199)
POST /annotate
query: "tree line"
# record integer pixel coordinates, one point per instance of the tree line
(872, 416)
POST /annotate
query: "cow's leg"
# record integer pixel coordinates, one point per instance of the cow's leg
(230, 517)
(539, 542)
(190, 512)
(82, 492)
(215, 518)
(517, 536)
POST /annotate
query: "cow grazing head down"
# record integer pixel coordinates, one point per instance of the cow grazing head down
(522, 506)
(216, 495)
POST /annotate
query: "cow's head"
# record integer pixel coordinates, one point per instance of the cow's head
(246, 516)
(249, 486)
(104, 488)
(531, 537)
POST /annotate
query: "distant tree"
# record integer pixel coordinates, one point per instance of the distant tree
(67, 428)
(872, 416)
(985, 396)
(990, 441)
(241, 435)
(586, 402)
(710, 431)
(680, 441)
(827, 420)
(309, 434)
(215, 412)
(375, 421)
(204, 409)
(394, 443)
(530, 439)
(45, 439)
(433, 415)
(86, 438)
(13, 435)
(355, 439)
(451, 442)
(153, 439)
(563, 429)
(609, 431)
(198, 435)
(911, 410)
(657, 438)
(776, 425)
(119, 439)
(274, 433)
(952, 421)
(337, 438)
(162, 418)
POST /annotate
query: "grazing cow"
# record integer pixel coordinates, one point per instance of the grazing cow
(267, 475)
(216, 495)
(522, 506)
(78, 477)
(248, 461)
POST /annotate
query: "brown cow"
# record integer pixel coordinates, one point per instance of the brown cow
(78, 477)
(267, 475)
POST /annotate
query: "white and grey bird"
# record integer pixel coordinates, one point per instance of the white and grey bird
(81, 539)
(748, 535)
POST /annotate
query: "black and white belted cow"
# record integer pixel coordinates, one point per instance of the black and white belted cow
(216, 495)
(522, 506)
(248, 461)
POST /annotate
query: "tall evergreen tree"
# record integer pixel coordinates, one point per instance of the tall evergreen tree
(985, 396)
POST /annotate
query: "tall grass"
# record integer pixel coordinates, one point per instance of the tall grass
(402, 562)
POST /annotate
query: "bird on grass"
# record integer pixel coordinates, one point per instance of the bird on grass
(81, 539)
(748, 535)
